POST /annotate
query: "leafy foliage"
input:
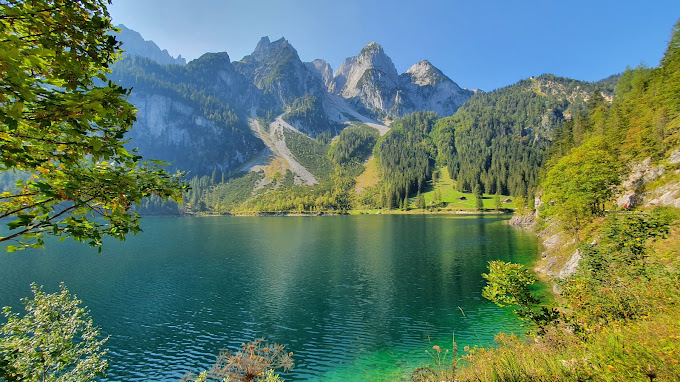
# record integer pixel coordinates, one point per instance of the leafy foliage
(68, 132)
(508, 284)
(617, 279)
(578, 185)
(54, 341)
(619, 315)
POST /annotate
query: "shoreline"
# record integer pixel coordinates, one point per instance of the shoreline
(347, 213)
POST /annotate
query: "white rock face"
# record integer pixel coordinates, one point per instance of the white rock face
(324, 71)
(424, 73)
(160, 118)
(427, 88)
(371, 80)
(371, 58)
(168, 128)
(571, 265)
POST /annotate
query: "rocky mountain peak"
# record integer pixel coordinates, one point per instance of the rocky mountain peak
(372, 48)
(262, 44)
(135, 45)
(424, 73)
(371, 71)
(426, 88)
(211, 62)
(265, 47)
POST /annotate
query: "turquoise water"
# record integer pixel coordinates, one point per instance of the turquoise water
(354, 297)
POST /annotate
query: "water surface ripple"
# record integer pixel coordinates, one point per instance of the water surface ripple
(354, 297)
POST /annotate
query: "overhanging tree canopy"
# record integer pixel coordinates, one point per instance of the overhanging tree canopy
(63, 125)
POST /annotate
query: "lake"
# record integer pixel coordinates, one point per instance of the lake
(354, 297)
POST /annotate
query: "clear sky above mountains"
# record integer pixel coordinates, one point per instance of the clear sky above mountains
(479, 44)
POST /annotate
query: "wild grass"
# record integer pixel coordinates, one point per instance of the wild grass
(643, 350)
(443, 367)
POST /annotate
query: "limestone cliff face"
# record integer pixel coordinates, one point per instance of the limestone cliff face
(171, 129)
(369, 79)
(322, 69)
(635, 190)
(189, 115)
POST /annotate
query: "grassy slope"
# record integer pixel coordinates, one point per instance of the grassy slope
(445, 185)
(449, 195)
(370, 176)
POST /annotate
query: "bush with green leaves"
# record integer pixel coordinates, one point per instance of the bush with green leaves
(54, 341)
(618, 279)
(509, 284)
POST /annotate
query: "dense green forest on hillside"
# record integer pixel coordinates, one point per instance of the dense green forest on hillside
(498, 141)
(616, 316)
(354, 145)
(405, 155)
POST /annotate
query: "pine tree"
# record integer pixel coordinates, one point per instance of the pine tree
(479, 198)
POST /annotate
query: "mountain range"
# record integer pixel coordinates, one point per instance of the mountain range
(275, 121)
(176, 100)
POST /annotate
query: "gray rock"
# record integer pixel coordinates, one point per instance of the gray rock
(135, 45)
(571, 265)
(370, 81)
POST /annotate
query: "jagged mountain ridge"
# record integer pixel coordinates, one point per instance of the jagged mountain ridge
(135, 45)
(213, 98)
(371, 81)
(276, 69)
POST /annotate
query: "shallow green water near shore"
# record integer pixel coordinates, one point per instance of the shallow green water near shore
(354, 297)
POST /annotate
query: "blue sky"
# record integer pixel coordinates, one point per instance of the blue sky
(480, 44)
